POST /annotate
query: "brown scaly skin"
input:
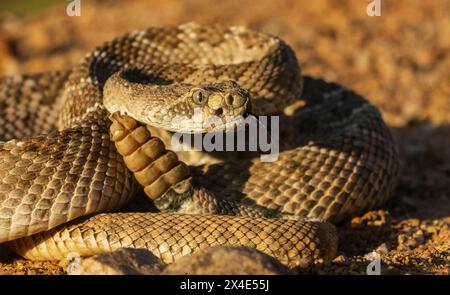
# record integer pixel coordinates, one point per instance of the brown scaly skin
(170, 236)
(337, 157)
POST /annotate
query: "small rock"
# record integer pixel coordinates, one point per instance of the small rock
(125, 261)
(411, 240)
(401, 239)
(419, 237)
(356, 222)
(382, 249)
(414, 222)
(341, 259)
(402, 248)
(227, 260)
(371, 218)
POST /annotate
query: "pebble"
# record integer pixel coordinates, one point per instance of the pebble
(227, 260)
(382, 249)
(125, 261)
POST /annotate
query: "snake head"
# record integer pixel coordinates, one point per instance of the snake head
(178, 107)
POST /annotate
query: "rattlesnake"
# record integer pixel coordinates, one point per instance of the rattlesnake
(337, 157)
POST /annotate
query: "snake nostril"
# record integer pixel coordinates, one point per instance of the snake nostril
(219, 112)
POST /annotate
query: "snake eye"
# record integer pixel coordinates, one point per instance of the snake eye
(199, 97)
(229, 99)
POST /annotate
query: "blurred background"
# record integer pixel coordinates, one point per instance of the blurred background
(399, 61)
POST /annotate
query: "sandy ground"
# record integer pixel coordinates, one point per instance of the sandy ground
(400, 61)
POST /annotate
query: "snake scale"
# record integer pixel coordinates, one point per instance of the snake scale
(80, 144)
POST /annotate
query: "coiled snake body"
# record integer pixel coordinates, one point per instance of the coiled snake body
(63, 160)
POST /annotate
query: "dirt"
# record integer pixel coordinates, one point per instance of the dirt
(400, 61)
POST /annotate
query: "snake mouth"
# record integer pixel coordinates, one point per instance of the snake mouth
(192, 127)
